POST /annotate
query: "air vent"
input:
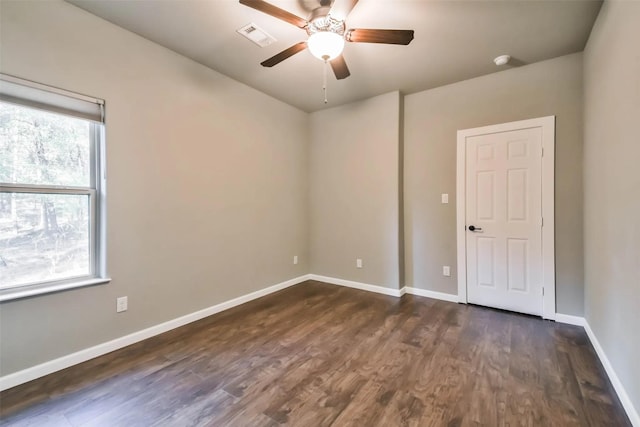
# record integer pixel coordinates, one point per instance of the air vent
(256, 35)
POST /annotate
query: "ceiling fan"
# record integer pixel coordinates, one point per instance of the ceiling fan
(327, 33)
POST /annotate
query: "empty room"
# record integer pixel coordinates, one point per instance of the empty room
(319, 213)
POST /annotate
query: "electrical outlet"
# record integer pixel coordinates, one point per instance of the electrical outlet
(358, 263)
(295, 259)
(122, 304)
(445, 198)
(446, 270)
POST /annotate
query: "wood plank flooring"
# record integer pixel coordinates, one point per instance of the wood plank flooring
(321, 355)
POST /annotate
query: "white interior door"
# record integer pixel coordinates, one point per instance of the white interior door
(504, 219)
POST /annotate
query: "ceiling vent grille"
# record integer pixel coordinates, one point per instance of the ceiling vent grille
(256, 35)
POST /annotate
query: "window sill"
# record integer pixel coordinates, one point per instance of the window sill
(47, 288)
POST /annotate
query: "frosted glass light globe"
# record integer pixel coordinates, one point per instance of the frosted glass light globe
(325, 44)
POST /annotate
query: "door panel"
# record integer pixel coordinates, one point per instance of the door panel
(517, 194)
(517, 263)
(486, 262)
(486, 190)
(504, 201)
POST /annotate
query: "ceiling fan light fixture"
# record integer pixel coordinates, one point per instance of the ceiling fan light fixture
(325, 45)
(327, 33)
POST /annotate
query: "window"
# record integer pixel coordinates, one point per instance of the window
(51, 189)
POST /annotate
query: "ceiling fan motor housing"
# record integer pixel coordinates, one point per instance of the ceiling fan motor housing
(321, 21)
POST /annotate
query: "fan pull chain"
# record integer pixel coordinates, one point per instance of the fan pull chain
(324, 80)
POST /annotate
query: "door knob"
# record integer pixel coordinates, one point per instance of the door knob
(474, 228)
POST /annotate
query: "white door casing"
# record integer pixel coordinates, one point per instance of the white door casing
(505, 190)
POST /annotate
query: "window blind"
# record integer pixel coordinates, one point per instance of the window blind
(35, 95)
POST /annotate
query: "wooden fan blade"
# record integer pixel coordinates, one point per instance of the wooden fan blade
(360, 35)
(342, 8)
(276, 59)
(340, 68)
(276, 12)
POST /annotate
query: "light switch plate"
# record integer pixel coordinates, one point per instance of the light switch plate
(445, 198)
(122, 304)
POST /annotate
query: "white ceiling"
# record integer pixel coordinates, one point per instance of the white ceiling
(454, 40)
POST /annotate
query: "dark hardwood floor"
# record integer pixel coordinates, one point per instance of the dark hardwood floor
(320, 355)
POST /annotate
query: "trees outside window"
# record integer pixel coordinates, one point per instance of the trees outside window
(49, 175)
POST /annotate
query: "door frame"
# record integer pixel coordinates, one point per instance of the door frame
(547, 125)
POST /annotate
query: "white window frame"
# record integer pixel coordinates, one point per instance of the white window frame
(96, 191)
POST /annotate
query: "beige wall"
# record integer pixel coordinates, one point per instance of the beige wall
(612, 188)
(432, 119)
(354, 190)
(207, 189)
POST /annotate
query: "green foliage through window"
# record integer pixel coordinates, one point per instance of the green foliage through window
(42, 148)
(45, 228)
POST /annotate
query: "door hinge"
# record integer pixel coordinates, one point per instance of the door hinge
(543, 291)
(541, 151)
(541, 222)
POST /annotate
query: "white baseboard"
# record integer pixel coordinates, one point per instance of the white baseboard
(64, 362)
(431, 294)
(570, 320)
(632, 413)
(386, 291)
(358, 285)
